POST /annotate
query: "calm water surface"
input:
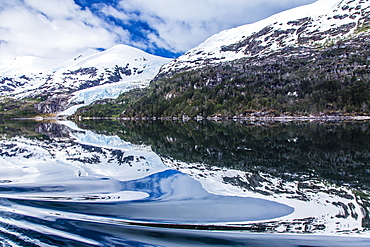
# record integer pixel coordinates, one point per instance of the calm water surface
(111, 183)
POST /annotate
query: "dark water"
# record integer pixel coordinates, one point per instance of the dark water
(110, 183)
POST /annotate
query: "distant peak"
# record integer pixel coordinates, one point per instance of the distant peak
(310, 26)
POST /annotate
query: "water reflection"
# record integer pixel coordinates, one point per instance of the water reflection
(165, 183)
(169, 193)
(338, 152)
(320, 169)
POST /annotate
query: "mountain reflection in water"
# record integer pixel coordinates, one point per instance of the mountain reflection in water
(107, 183)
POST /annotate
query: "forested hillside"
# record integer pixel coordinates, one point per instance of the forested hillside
(329, 78)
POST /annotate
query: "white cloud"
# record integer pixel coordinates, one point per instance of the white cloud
(184, 24)
(111, 11)
(55, 9)
(52, 28)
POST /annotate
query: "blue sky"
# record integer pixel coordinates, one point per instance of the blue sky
(51, 28)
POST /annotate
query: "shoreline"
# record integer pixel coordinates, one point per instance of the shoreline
(282, 118)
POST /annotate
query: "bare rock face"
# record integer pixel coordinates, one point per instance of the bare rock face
(53, 104)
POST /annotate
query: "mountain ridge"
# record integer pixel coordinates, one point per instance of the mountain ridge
(313, 59)
(327, 20)
(323, 70)
(62, 84)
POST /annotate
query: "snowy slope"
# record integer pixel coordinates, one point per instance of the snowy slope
(132, 64)
(118, 69)
(306, 26)
(25, 73)
(27, 65)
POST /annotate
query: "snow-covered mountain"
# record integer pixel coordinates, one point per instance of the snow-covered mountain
(89, 76)
(309, 26)
(298, 62)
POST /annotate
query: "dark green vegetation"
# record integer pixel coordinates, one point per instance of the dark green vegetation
(339, 153)
(15, 108)
(298, 81)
